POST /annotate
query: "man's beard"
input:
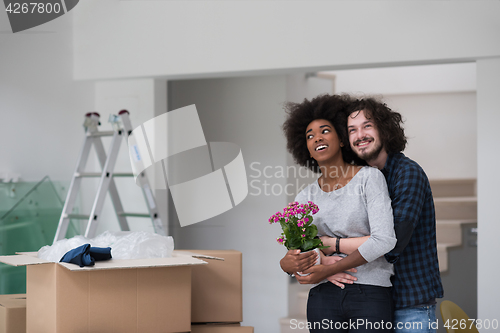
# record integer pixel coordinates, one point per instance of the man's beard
(371, 155)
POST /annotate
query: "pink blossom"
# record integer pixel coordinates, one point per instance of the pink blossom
(297, 214)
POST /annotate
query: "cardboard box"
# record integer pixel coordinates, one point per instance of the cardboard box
(13, 313)
(221, 328)
(143, 295)
(217, 288)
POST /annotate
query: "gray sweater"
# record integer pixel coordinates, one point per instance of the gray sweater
(361, 208)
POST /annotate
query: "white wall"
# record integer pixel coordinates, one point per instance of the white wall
(116, 39)
(442, 132)
(41, 108)
(423, 79)
(247, 112)
(488, 183)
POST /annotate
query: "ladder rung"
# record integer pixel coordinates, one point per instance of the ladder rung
(99, 174)
(77, 216)
(88, 174)
(134, 214)
(103, 133)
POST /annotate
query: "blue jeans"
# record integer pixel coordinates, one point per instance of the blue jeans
(415, 319)
(357, 308)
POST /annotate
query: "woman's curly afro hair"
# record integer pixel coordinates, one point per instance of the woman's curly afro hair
(328, 107)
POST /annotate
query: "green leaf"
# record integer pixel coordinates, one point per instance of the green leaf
(308, 245)
(283, 224)
(294, 244)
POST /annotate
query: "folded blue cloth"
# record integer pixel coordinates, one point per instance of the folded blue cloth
(100, 253)
(86, 255)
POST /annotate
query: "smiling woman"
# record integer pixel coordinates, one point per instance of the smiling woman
(300, 115)
(323, 142)
(356, 225)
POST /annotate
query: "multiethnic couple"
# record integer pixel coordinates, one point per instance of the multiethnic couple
(380, 272)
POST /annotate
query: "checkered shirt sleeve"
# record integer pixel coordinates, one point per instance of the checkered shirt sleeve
(417, 279)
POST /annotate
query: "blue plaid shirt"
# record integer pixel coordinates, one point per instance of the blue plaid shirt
(417, 279)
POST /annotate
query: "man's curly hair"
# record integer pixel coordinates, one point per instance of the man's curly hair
(387, 122)
(328, 107)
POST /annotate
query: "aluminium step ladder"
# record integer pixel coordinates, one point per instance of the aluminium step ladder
(106, 182)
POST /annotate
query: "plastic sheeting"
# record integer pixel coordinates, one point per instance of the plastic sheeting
(124, 245)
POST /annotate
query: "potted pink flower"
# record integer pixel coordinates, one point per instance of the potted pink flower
(298, 230)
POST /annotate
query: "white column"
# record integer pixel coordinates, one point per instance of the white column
(488, 186)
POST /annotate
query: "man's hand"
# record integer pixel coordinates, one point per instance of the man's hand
(294, 261)
(328, 241)
(340, 278)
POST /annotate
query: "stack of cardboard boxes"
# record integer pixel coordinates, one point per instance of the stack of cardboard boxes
(178, 294)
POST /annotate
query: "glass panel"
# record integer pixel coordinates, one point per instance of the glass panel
(29, 215)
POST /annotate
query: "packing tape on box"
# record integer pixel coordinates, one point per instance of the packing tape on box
(174, 133)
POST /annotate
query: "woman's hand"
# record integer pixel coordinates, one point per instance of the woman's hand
(294, 261)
